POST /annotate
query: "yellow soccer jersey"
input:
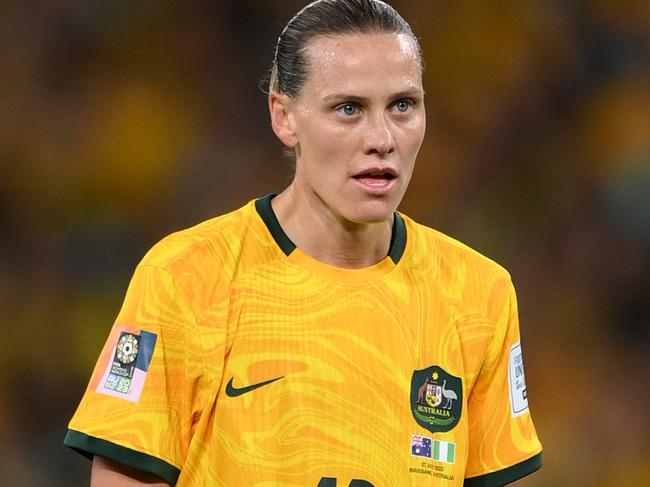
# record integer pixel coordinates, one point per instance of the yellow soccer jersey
(239, 360)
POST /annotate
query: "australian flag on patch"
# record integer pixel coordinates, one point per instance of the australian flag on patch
(420, 446)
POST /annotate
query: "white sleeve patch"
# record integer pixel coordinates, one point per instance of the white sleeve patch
(517, 382)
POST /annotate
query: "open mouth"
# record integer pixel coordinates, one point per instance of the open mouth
(376, 180)
(376, 175)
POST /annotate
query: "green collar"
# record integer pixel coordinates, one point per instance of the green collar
(265, 210)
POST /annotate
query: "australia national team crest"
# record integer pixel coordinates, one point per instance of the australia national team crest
(436, 399)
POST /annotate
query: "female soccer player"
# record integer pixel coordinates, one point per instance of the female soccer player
(317, 337)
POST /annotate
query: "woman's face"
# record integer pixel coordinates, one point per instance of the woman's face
(359, 122)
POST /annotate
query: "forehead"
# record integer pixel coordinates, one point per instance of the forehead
(354, 62)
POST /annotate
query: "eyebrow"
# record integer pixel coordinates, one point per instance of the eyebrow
(410, 93)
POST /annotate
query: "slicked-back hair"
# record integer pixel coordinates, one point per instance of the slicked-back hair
(327, 18)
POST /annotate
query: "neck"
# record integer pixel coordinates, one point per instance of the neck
(328, 238)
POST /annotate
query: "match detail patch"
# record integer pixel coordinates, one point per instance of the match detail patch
(517, 381)
(125, 375)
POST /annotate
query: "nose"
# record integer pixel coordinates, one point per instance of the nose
(379, 139)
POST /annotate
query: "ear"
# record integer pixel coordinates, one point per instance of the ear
(282, 119)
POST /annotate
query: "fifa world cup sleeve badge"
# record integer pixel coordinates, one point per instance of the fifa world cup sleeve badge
(125, 374)
(436, 399)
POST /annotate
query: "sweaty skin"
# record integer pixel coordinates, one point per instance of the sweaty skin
(356, 128)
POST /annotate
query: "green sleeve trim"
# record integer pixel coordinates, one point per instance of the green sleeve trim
(89, 446)
(507, 475)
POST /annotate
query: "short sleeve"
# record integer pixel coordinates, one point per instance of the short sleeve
(503, 444)
(141, 403)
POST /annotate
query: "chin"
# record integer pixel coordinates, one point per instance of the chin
(372, 212)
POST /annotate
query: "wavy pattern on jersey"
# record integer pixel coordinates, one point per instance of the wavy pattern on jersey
(225, 302)
(499, 440)
(162, 411)
(332, 411)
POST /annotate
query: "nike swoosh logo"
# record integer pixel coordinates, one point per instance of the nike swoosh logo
(233, 391)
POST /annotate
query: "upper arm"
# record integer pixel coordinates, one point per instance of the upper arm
(141, 404)
(503, 442)
(108, 473)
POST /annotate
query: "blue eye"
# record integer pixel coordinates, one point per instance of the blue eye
(403, 105)
(348, 109)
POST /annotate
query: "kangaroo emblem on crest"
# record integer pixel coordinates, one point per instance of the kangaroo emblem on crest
(423, 389)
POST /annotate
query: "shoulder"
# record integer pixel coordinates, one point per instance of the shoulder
(450, 253)
(205, 240)
(470, 282)
(464, 275)
(203, 259)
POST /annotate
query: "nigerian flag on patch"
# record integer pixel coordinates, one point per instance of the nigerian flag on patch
(444, 451)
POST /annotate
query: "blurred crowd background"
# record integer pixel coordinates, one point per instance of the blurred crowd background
(123, 121)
